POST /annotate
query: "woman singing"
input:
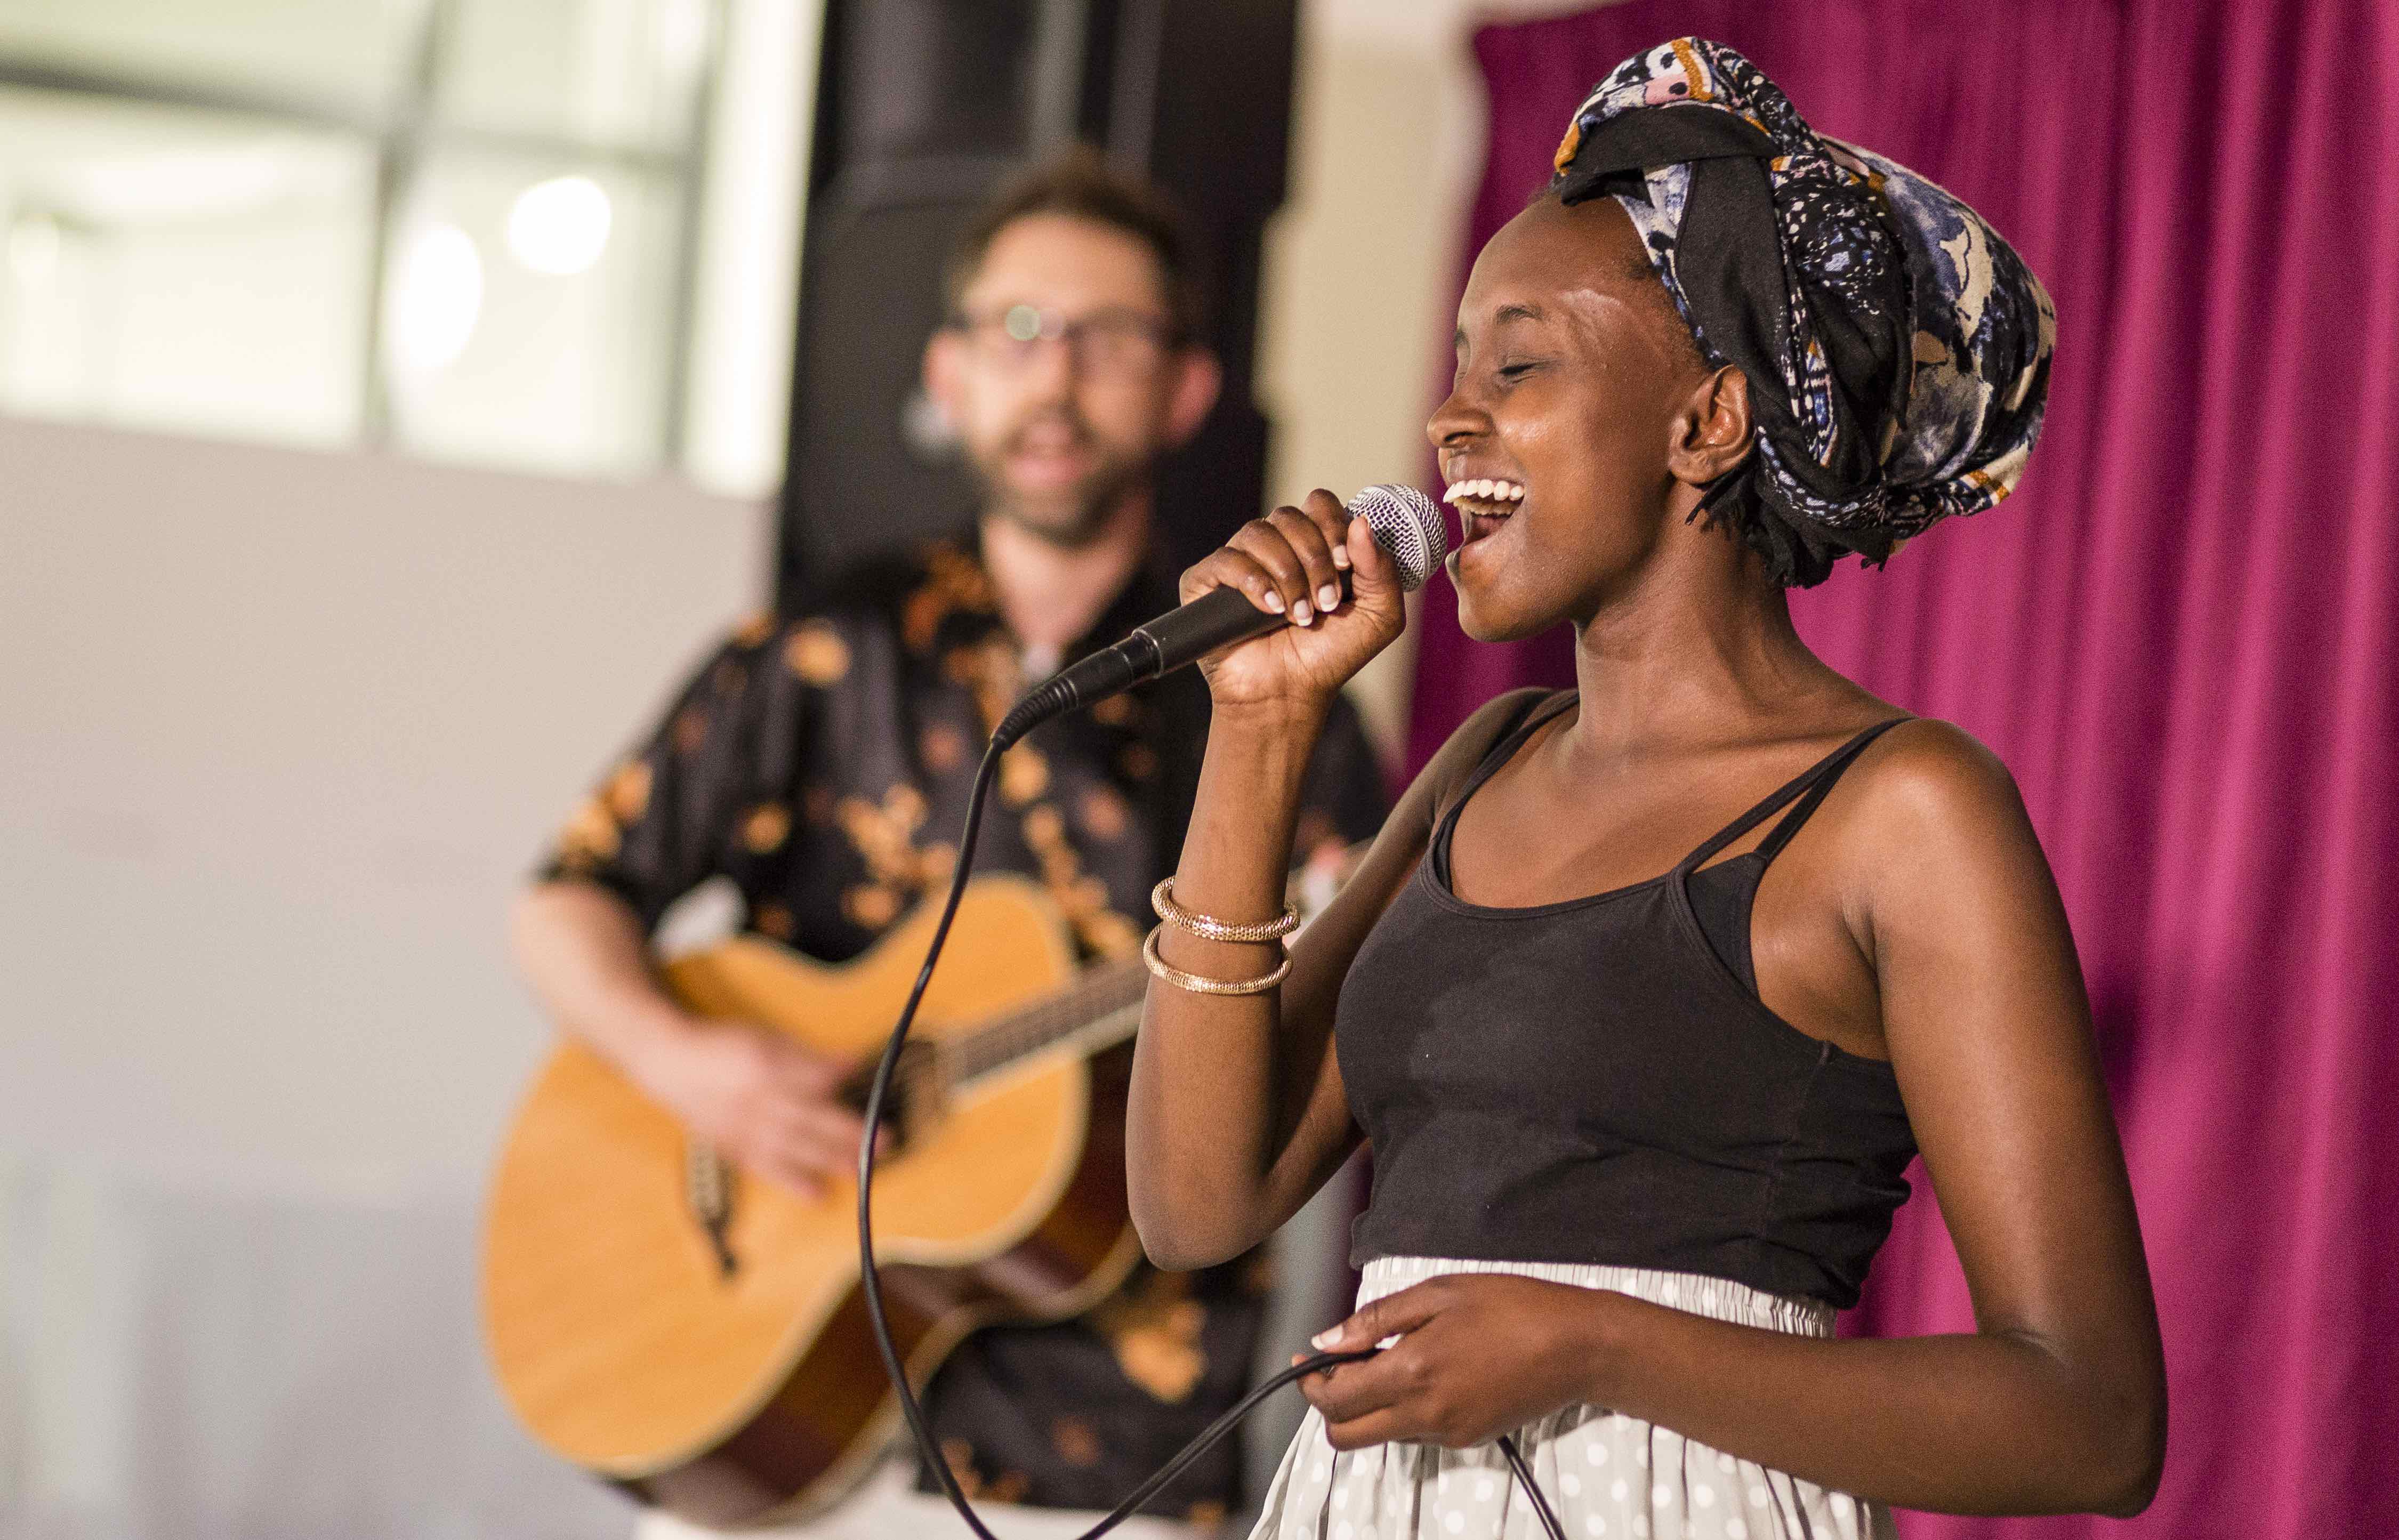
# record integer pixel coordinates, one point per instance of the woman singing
(1649, 990)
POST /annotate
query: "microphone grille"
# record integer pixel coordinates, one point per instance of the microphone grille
(1408, 524)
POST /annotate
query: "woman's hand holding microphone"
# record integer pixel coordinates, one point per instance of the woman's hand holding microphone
(1291, 562)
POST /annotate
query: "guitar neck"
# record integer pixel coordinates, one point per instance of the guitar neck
(1102, 1009)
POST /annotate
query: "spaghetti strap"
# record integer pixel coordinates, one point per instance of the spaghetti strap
(1538, 710)
(1809, 786)
(1819, 786)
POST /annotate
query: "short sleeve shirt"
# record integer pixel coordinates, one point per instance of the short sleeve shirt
(822, 763)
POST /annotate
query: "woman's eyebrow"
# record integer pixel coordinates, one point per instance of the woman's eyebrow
(1517, 311)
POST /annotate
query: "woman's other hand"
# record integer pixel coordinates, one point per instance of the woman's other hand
(1291, 562)
(1478, 1354)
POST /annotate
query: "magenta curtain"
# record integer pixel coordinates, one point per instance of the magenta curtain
(2179, 634)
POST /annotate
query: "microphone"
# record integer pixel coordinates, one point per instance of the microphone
(1404, 523)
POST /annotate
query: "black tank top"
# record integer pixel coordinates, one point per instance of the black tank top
(1597, 1080)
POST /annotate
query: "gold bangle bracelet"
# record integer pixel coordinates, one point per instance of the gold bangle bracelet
(1197, 984)
(1162, 898)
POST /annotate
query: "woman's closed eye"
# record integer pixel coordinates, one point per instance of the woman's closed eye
(1507, 371)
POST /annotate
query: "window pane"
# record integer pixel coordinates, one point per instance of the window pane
(620, 72)
(352, 55)
(526, 313)
(178, 269)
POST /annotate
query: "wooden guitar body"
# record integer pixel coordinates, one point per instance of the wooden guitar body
(736, 1394)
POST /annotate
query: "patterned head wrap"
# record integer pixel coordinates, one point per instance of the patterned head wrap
(1897, 349)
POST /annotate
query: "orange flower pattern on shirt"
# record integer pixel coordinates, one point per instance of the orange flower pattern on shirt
(628, 792)
(1077, 1441)
(942, 747)
(993, 669)
(817, 653)
(1104, 815)
(1154, 1327)
(766, 828)
(870, 906)
(592, 832)
(1023, 775)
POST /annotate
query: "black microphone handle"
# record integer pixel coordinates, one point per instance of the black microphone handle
(1186, 634)
(1217, 618)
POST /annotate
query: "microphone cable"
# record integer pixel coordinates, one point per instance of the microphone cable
(871, 1280)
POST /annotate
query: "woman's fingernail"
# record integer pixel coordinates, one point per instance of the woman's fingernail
(1329, 596)
(1274, 602)
(1325, 1338)
(1301, 614)
(1341, 556)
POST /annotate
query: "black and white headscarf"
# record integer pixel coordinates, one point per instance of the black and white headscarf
(1897, 349)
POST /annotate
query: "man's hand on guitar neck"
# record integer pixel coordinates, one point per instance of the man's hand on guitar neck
(763, 1101)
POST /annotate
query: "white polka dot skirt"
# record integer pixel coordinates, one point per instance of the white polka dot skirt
(1605, 1474)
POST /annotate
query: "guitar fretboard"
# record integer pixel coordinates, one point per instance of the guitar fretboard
(1101, 1008)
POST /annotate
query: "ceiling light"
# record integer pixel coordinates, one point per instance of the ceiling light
(559, 226)
(437, 300)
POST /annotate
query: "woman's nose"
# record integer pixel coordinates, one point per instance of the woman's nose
(1453, 422)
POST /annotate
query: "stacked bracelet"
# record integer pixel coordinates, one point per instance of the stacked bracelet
(1162, 898)
(1198, 984)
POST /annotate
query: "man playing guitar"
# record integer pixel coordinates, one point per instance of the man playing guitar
(820, 763)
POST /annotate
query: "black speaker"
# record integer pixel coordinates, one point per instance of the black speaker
(923, 108)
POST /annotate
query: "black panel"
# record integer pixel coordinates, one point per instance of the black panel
(923, 107)
(930, 77)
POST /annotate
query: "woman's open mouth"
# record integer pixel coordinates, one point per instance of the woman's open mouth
(1484, 504)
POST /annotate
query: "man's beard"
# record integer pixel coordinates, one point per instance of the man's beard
(1073, 514)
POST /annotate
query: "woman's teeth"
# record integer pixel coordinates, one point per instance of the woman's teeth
(1486, 490)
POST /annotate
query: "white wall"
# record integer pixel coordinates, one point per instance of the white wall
(281, 733)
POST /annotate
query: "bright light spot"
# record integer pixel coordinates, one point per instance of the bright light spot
(560, 226)
(34, 249)
(436, 302)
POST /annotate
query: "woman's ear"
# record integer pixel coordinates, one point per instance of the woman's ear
(1711, 430)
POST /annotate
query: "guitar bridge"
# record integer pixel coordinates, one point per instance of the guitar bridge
(708, 1193)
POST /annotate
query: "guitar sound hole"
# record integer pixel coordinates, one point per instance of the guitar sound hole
(913, 1104)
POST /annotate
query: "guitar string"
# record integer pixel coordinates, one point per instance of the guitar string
(1011, 1038)
(981, 1056)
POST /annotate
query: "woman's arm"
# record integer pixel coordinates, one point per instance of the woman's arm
(2056, 1402)
(1238, 1113)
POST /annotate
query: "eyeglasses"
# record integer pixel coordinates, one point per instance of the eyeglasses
(1113, 341)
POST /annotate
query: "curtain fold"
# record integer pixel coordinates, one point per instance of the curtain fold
(2178, 634)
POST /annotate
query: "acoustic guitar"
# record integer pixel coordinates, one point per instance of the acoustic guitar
(700, 1338)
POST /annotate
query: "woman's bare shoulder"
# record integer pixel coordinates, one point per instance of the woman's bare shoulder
(1927, 768)
(1928, 820)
